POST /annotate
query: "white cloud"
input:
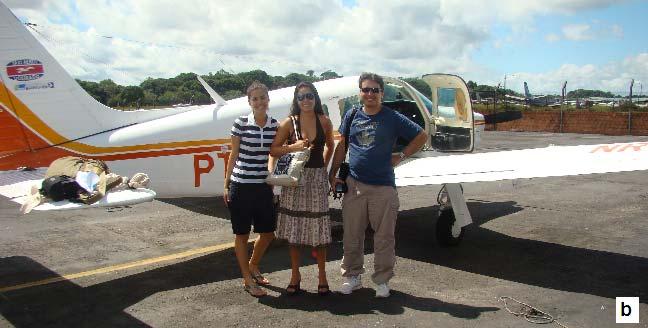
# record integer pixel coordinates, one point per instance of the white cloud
(598, 31)
(162, 38)
(577, 32)
(481, 12)
(614, 77)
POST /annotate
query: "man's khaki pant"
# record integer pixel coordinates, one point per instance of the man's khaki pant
(378, 206)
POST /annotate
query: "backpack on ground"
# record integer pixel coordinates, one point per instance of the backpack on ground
(61, 187)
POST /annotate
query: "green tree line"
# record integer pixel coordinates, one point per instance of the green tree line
(582, 93)
(185, 88)
(489, 90)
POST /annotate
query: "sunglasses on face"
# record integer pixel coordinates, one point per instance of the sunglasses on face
(368, 90)
(303, 96)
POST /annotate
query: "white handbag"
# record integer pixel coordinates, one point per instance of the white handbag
(289, 167)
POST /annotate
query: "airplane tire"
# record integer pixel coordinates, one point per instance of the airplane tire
(444, 229)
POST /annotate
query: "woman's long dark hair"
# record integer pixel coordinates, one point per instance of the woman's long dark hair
(294, 109)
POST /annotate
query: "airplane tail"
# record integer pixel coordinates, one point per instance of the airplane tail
(42, 106)
(527, 94)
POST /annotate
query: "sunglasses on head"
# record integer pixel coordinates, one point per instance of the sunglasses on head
(368, 90)
(303, 96)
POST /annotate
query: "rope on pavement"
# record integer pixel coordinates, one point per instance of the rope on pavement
(530, 313)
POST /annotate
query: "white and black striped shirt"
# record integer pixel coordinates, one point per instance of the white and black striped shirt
(252, 162)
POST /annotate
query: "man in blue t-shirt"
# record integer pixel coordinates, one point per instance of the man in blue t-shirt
(372, 197)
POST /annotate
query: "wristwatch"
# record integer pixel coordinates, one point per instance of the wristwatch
(402, 155)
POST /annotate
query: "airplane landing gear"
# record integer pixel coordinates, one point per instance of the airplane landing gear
(449, 232)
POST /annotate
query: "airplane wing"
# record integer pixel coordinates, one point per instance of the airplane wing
(16, 186)
(552, 161)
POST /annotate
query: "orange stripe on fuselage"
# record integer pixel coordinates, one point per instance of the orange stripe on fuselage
(26, 148)
(44, 157)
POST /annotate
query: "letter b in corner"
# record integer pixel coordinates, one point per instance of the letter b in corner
(627, 310)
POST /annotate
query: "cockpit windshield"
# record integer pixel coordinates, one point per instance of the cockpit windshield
(395, 92)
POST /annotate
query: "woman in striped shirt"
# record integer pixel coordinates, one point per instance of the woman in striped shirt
(248, 197)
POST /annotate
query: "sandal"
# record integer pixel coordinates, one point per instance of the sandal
(292, 290)
(259, 279)
(254, 290)
(323, 290)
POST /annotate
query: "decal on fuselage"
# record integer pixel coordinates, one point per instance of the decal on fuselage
(637, 146)
(204, 163)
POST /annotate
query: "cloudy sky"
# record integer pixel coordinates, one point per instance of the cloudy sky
(593, 44)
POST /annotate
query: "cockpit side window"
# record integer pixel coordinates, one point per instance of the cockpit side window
(446, 97)
(452, 104)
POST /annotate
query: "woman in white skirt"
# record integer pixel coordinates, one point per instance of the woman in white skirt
(303, 218)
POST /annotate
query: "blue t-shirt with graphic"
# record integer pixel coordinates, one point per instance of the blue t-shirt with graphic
(371, 140)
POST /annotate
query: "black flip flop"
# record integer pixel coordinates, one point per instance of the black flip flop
(295, 289)
(326, 292)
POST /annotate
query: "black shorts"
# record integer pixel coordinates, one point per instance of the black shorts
(251, 204)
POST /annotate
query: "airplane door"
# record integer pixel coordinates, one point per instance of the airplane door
(452, 115)
(405, 99)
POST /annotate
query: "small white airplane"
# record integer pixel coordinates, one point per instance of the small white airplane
(45, 115)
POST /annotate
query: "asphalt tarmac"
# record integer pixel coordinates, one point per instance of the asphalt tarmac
(567, 246)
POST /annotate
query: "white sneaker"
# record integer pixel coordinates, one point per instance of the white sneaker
(352, 283)
(382, 291)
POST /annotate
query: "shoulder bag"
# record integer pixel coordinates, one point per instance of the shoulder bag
(289, 167)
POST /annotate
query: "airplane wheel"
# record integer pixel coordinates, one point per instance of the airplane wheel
(444, 234)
